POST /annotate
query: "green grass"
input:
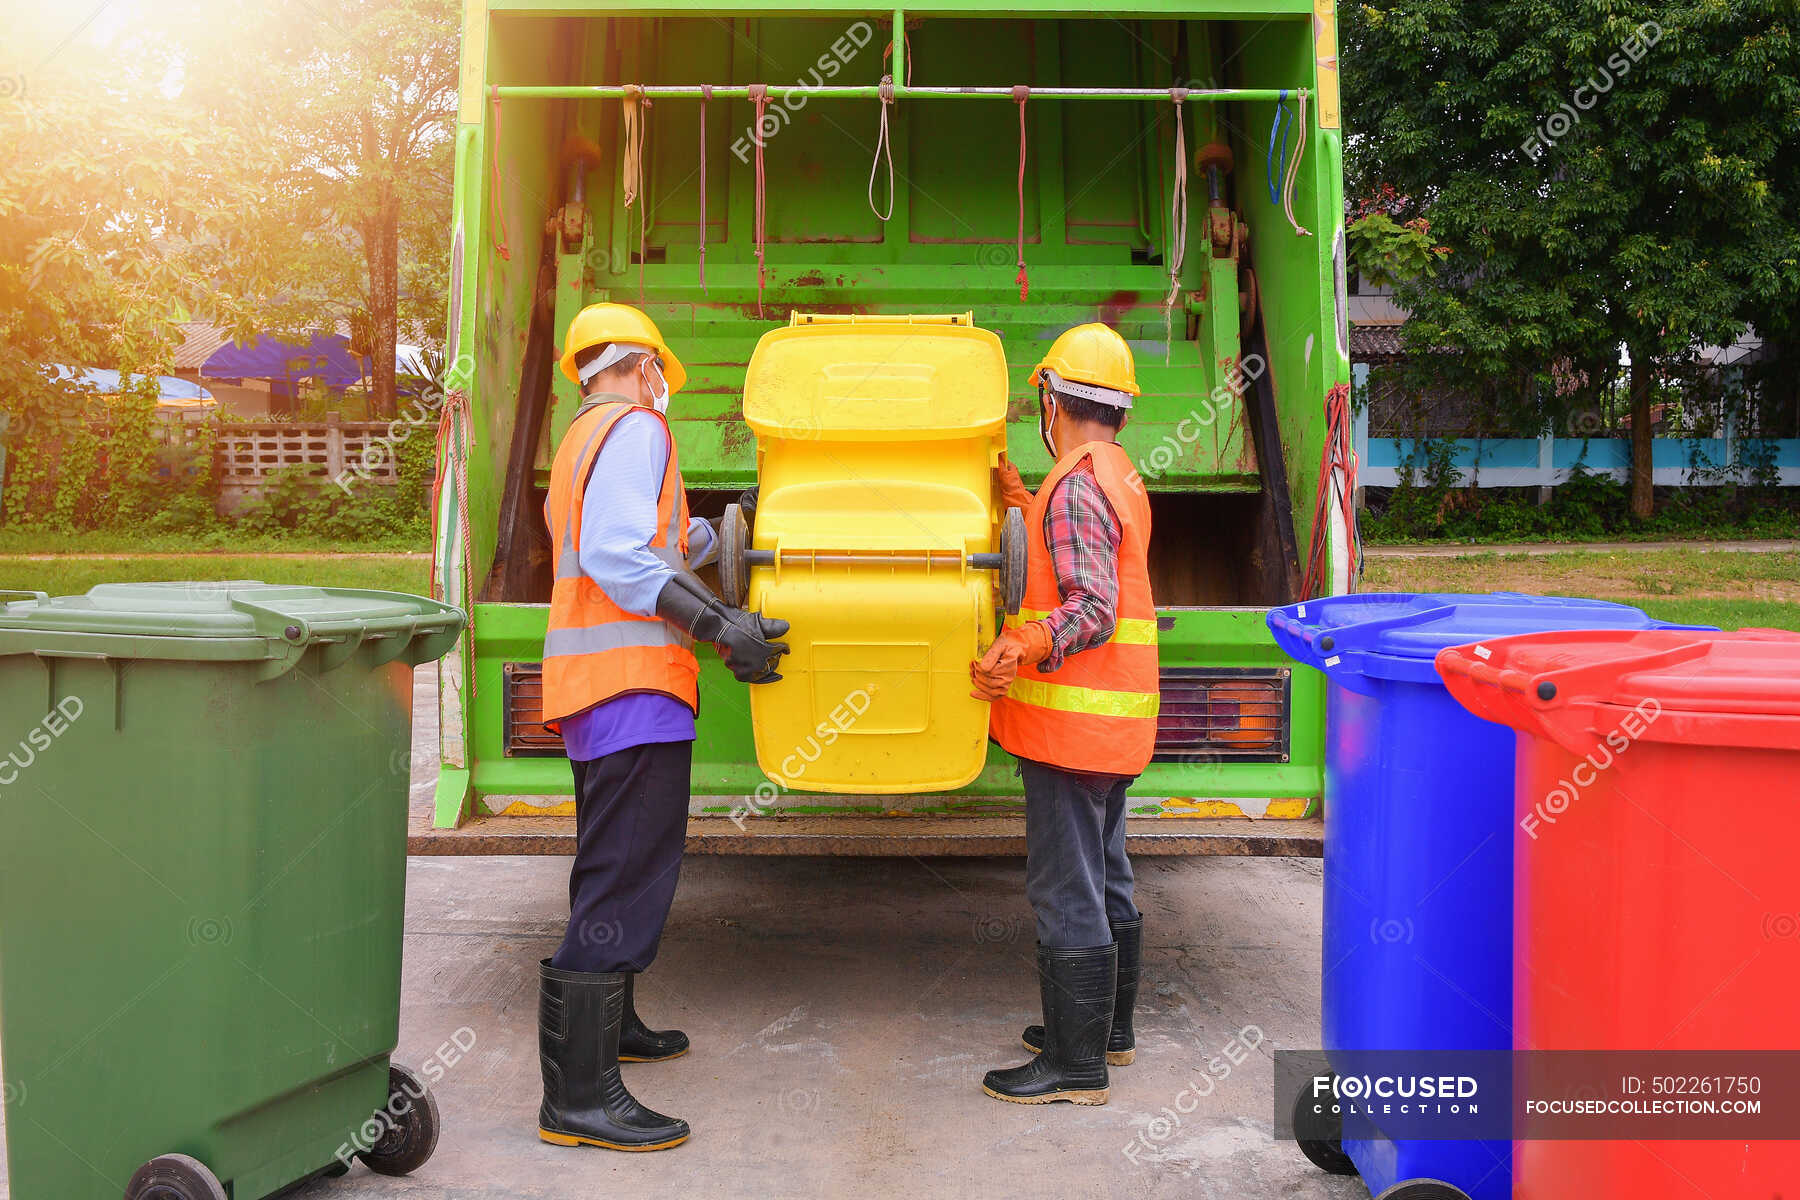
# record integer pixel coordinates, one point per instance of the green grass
(23, 541)
(1726, 614)
(63, 577)
(1730, 589)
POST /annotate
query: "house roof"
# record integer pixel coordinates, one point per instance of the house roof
(1375, 343)
(199, 340)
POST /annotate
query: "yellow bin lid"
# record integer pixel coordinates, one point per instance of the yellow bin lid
(862, 378)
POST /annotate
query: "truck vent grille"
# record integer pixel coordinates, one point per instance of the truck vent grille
(1222, 714)
(526, 736)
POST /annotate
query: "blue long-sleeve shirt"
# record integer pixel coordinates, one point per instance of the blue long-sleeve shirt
(618, 519)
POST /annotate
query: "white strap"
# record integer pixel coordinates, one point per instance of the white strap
(1111, 397)
(614, 353)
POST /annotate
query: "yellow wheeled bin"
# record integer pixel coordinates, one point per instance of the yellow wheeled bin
(880, 536)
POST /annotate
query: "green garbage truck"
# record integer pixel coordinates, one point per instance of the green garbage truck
(1171, 168)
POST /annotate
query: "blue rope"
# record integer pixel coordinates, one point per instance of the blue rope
(1273, 167)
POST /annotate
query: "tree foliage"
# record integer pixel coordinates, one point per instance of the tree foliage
(1606, 175)
(350, 109)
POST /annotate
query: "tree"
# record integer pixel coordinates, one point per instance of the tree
(1606, 175)
(105, 245)
(350, 104)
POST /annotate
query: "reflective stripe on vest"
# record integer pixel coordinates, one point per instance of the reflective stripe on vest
(1097, 711)
(1129, 631)
(611, 635)
(595, 650)
(1085, 700)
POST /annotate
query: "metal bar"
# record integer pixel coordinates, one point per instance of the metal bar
(613, 91)
(848, 558)
(900, 46)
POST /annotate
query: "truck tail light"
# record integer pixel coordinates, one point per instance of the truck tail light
(523, 706)
(1223, 714)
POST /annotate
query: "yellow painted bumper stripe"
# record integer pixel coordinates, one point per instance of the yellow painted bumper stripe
(1066, 698)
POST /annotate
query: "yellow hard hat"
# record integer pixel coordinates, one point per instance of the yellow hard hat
(602, 324)
(1093, 354)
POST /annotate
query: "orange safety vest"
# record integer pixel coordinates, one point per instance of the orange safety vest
(595, 650)
(1097, 712)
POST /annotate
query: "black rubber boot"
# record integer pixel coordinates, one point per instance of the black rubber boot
(585, 1101)
(638, 1042)
(1121, 1044)
(1077, 989)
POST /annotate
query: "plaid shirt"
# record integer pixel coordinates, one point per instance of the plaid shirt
(1083, 535)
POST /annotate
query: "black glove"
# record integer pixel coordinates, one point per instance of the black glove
(747, 502)
(743, 639)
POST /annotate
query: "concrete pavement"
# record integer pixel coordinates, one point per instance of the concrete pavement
(842, 1012)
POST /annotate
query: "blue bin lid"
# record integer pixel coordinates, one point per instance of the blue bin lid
(1397, 635)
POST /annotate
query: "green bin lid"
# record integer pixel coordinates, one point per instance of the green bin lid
(234, 621)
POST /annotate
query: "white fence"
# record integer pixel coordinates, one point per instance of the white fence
(249, 453)
(1548, 461)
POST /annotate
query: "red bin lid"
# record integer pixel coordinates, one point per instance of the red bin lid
(1738, 688)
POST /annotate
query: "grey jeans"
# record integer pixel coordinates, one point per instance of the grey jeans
(1077, 876)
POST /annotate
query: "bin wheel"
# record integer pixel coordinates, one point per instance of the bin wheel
(409, 1126)
(1012, 561)
(1320, 1137)
(1423, 1189)
(174, 1177)
(734, 539)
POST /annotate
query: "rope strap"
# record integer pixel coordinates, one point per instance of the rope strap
(636, 116)
(1020, 94)
(497, 234)
(1276, 159)
(759, 94)
(883, 147)
(1178, 223)
(705, 95)
(1337, 480)
(1293, 172)
(887, 51)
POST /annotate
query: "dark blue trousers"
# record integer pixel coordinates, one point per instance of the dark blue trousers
(631, 810)
(1077, 876)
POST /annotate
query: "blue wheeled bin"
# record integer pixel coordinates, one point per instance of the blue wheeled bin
(1418, 922)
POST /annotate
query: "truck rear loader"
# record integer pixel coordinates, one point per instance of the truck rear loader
(1171, 168)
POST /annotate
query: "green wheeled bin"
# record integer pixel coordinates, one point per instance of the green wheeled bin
(203, 809)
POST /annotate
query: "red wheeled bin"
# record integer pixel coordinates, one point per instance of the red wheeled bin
(1657, 893)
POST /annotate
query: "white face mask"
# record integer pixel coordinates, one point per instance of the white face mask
(1046, 418)
(659, 387)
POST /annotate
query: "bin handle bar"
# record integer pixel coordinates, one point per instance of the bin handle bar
(691, 91)
(40, 597)
(1310, 634)
(1566, 714)
(874, 558)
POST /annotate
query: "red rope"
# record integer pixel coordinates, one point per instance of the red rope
(1337, 459)
(1020, 94)
(497, 234)
(759, 92)
(705, 95)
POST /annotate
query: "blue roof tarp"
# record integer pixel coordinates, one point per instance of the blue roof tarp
(171, 389)
(326, 358)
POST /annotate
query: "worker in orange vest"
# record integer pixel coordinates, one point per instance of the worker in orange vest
(620, 687)
(1074, 683)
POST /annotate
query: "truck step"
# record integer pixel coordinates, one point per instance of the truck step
(883, 836)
